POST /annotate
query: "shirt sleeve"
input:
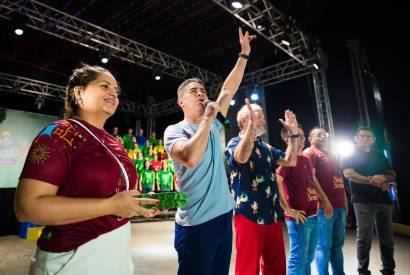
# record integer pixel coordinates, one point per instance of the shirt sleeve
(311, 156)
(173, 134)
(348, 163)
(48, 157)
(282, 171)
(277, 154)
(230, 150)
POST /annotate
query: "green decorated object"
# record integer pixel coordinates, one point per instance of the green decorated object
(167, 200)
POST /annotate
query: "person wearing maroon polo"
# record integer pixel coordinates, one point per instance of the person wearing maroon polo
(300, 192)
(77, 180)
(332, 231)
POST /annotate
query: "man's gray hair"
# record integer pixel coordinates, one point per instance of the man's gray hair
(244, 113)
(181, 87)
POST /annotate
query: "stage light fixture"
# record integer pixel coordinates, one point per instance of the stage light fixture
(39, 102)
(157, 74)
(254, 96)
(345, 148)
(237, 4)
(18, 23)
(105, 55)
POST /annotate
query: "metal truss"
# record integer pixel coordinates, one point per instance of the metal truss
(357, 62)
(324, 111)
(57, 23)
(274, 26)
(274, 74)
(27, 86)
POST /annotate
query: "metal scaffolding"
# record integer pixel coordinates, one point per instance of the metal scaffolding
(31, 87)
(57, 23)
(258, 14)
(274, 26)
(357, 62)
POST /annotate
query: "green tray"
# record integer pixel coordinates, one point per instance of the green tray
(167, 199)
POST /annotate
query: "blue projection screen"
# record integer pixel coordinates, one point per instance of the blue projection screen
(17, 131)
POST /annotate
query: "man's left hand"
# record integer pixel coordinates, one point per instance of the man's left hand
(290, 122)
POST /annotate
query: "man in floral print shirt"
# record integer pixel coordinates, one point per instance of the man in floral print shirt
(258, 214)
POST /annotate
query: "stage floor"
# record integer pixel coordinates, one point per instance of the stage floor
(153, 252)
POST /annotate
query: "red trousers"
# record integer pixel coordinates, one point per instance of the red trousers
(259, 246)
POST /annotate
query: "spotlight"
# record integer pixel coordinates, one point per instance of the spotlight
(18, 23)
(254, 96)
(237, 4)
(157, 74)
(105, 55)
(285, 42)
(345, 148)
(39, 102)
(19, 31)
(233, 102)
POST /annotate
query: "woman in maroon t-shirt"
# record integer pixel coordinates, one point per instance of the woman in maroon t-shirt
(77, 180)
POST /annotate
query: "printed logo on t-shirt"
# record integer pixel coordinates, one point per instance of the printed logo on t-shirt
(338, 182)
(311, 194)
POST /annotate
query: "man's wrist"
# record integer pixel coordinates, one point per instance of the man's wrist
(243, 55)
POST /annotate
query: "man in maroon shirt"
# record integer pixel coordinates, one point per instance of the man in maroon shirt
(300, 192)
(332, 231)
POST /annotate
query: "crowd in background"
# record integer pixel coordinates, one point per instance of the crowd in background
(154, 168)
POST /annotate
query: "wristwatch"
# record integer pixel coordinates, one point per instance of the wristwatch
(244, 56)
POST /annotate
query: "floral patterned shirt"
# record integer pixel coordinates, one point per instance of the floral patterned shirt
(254, 183)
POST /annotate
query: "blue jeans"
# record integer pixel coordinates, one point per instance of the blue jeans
(331, 240)
(303, 240)
(205, 249)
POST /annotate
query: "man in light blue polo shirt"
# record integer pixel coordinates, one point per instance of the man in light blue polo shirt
(203, 229)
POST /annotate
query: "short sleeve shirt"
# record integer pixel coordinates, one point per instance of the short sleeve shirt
(368, 164)
(299, 189)
(65, 155)
(254, 182)
(206, 183)
(329, 175)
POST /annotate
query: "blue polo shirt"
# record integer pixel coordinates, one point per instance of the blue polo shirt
(254, 183)
(206, 183)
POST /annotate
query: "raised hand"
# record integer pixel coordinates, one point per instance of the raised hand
(290, 122)
(244, 40)
(251, 113)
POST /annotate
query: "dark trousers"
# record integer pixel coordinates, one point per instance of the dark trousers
(367, 215)
(205, 249)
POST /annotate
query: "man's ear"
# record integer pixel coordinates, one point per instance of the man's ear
(180, 103)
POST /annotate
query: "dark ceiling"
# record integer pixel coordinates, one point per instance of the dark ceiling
(197, 31)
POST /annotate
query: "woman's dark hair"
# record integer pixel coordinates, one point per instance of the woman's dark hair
(81, 76)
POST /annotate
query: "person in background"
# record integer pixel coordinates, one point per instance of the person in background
(156, 164)
(300, 192)
(114, 131)
(332, 231)
(371, 176)
(165, 179)
(147, 179)
(153, 139)
(141, 139)
(133, 153)
(128, 139)
(76, 177)
(159, 148)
